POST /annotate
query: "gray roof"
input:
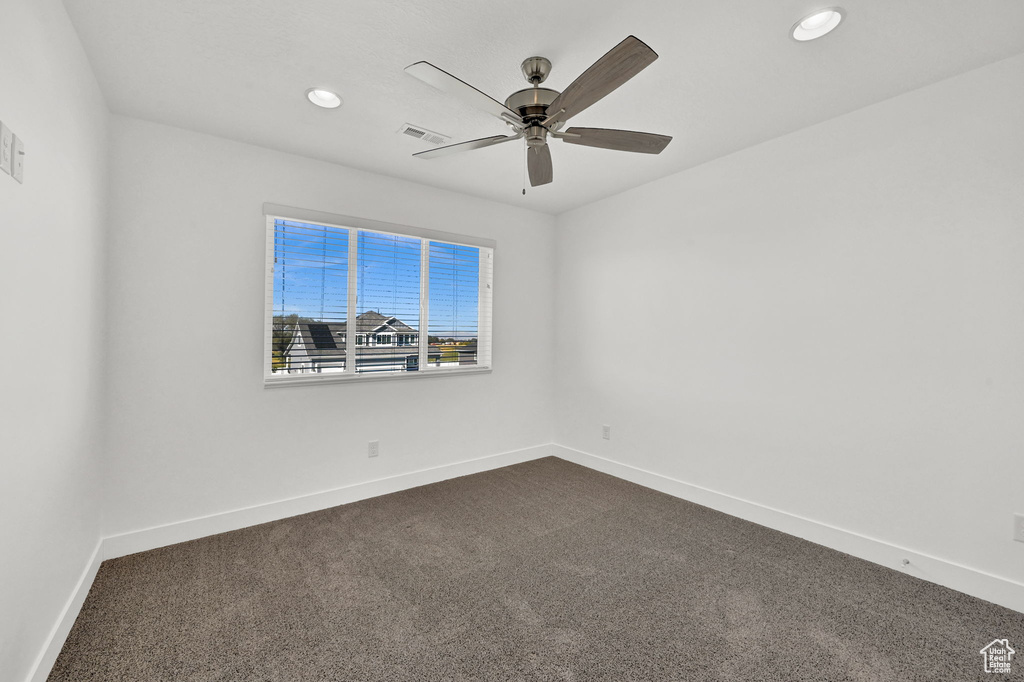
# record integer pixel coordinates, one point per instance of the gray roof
(324, 339)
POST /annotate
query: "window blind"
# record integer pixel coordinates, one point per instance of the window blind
(310, 297)
(455, 302)
(419, 304)
(388, 295)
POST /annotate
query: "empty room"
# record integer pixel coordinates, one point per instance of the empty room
(470, 341)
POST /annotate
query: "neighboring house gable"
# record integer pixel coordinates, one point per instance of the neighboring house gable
(381, 340)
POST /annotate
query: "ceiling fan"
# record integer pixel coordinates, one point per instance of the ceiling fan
(538, 113)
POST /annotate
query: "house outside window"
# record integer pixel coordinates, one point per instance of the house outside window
(420, 300)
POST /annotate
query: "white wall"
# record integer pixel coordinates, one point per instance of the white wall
(830, 324)
(193, 431)
(52, 311)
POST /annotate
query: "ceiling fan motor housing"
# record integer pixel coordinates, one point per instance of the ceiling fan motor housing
(532, 103)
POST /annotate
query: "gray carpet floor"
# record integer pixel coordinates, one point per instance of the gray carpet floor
(540, 571)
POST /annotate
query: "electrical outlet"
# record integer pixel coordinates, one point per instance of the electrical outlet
(6, 147)
(1018, 527)
(18, 159)
(374, 448)
(606, 432)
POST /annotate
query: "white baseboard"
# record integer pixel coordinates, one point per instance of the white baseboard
(55, 641)
(971, 581)
(977, 583)
(160, 536)
(191, 529)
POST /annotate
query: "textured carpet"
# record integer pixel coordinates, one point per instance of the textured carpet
(539, 571)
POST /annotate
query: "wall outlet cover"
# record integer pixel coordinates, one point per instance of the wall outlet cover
(18, 159)
(1018, 527)
(6, 147)
(374, 449)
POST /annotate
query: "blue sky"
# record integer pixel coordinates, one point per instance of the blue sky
(311, 277)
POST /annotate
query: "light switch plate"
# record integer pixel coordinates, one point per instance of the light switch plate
(18, 159)
(6, 145)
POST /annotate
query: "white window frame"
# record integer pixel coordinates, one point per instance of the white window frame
(274, 212)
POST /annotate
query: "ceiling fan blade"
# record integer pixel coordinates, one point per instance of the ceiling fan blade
(621, 63)
(621, 140)
(538, 161)
(466, 146)
(445, 82)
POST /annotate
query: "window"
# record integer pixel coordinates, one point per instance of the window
(419, 300)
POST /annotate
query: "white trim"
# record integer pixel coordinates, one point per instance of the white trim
(40, 670)
(270, 268)
(345, 221)
(191, 529)
(996, 589)
(977, 583)
(485, 307)
(344, 378)
(352, 330)
(160, 536)
(423, 340)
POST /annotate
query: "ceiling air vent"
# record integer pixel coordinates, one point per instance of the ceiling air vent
(421, 133)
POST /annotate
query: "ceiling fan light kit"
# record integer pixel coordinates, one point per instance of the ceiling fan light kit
(537, 113)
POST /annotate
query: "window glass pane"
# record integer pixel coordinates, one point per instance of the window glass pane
(310, 298)
(388, 300)
(454, 304)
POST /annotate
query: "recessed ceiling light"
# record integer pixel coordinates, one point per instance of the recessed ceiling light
(323, 98)
(817, 24)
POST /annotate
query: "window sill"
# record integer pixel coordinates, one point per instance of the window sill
(310, 379)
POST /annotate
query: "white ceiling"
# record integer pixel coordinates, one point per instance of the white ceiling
(729, 76)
